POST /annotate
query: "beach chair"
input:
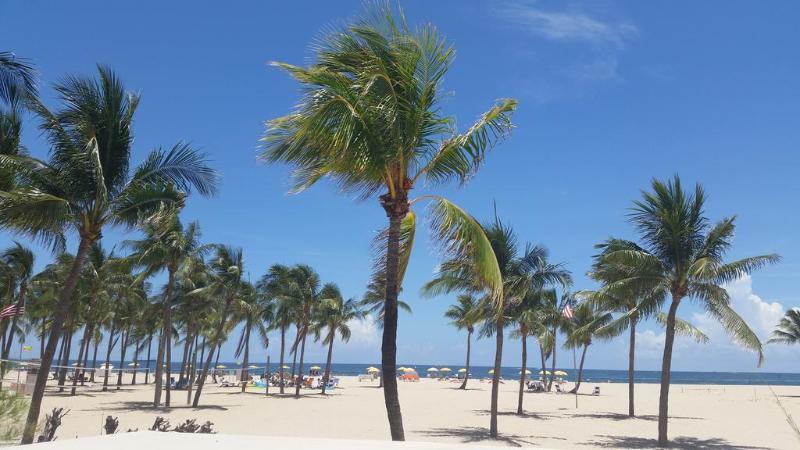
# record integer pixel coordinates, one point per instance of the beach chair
(596, 390)
(559, 390)
(365, 377)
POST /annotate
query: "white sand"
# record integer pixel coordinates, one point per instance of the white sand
(702, 416)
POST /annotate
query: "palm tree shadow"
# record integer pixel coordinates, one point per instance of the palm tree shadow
(681, 442)
(618, 416)
(525, 415)
(148, 406)
(478, 434)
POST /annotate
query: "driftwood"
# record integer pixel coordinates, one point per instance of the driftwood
(51, 424)
(189, 426)
(161, 424)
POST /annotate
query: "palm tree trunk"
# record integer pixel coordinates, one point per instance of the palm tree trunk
(498, 359)
(168, 368)
(217, 340)
(218, 349)
(666, 365)
(631, 352)
(147, 370)
(12, 328)
(327, 375)
(299, 383)
(553, 367)
(84, 348)
(246, 357)
(122, 350)
(94, 360)
(542, 375)
(185, 356)
(522, 373)
(62, 377)
(59, 315)
(466, 374)
(193, 368)
(108, 354)
(135, 360)
(165, 340)
(396, 212)
(280, 368)
(580, 370)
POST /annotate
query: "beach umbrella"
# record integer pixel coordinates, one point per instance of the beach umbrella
(544, 372)
(527, 372)
(133, 364)
(462, 370)
(106, 366)
(373, 369)
(74, 364)
(433, 369)
(445, 369)
(314, 368)
(222, 366)
(491, 372)
(408, 369)
(252, 367)
(560, 373)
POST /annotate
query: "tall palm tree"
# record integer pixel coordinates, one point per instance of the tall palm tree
(334, 316)
(788, 329)
(305, 288)
(519, 273)
(167, 245)
(465, 315)
(273, 285)
(370, 120)
(255, 311)
(87, 185)
(228, 267)
(681, 256)
(526, 316)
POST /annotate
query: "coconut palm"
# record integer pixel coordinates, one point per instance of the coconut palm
(465, 315)
(87, 185)
(16, 265)
(681, 256)
(17, 78)
(254, 310)
(370, 120)
(582, 328)
(304, 288)
(167, 245)
(526, 317)
(228, 267)
(373, 299)
(274, 285)
(334, 316)
(519, 273)
(788, 329)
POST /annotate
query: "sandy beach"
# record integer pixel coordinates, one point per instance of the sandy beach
(702, 416)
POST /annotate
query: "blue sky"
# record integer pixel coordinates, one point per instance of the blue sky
(611, 94)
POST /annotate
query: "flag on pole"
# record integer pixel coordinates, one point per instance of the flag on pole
(568, 313)
(11, 311)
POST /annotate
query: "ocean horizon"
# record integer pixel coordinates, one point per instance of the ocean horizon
(512, 372)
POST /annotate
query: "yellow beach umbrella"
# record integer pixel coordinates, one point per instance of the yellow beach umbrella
(491, 372)
(252, 367)
(433, 369)
(373, 369)
(544, 372)
(445, 369)
(221, 366)
(560, 373)
(462, 370)
(408, 369)
(314, 368)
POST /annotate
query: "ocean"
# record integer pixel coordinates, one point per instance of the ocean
(589, 375)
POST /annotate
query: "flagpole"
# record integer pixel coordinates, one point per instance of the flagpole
(574, 369)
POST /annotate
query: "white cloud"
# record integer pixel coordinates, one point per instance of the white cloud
(760, 315)
(572, 26)
(363, 331)
(649, 343)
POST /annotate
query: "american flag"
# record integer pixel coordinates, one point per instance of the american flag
(11, 311)
(567, 312)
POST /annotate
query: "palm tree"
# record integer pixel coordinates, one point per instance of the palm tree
(526, 316)
(370, 120)
(586, 322)
(17, 266)
(334, 316)
(87, 185)
(273, 285)
(255, 311)
(518, 274)
(681, 256)
(305, 288)
(17, 79)
(167, 245)
(228, 267)
(788, 330)
(464, 316)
